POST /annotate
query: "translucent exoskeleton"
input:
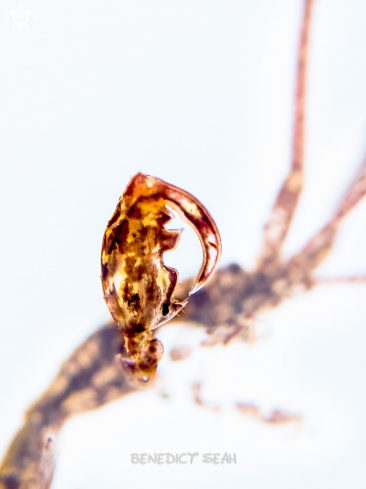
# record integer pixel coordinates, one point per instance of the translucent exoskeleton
(138, 288)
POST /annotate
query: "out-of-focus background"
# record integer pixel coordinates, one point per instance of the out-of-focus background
(198, 93)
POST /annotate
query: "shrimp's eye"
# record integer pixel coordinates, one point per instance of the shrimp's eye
(165, 310)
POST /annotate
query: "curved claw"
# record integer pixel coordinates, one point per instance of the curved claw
(195, 213)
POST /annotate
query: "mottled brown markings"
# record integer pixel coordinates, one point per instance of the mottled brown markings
(10, 481)
(113, 219)
(234, 268)
(234, 293)
(118, 237)
(91, 377)
(101, 350)
(134, 301)
(138, 288)
(134, 212)
(135, 330)
(105, 271)
(152, 348)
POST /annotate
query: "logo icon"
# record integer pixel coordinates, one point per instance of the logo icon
(20, 17)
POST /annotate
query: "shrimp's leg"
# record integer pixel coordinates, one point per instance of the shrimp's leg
(283, 210)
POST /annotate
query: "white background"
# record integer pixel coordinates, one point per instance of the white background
(198, 93)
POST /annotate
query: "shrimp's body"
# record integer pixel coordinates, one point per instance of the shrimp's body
(138, 288)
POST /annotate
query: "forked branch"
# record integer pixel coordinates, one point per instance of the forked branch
(319, 246)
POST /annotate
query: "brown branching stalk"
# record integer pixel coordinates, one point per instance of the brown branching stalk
(90, 377)
(227, 308)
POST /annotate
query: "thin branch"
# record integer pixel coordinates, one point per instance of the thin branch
(279, 221)
(90, 378)
(319, 246)
(341, 280)
(276, 417)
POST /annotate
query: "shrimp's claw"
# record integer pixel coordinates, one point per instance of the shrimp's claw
(198, 217)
